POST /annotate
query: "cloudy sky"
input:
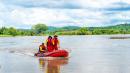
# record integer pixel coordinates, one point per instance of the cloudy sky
(25, 13)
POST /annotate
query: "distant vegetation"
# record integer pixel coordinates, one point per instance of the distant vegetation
(42, 29)
(39, 28)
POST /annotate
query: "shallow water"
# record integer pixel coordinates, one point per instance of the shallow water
(88, 54)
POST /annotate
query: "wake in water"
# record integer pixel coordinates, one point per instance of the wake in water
(29, 52)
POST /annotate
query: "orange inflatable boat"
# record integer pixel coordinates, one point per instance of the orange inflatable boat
(57, 53)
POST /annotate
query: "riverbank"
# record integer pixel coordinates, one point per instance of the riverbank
(5, 35)
(65, 35)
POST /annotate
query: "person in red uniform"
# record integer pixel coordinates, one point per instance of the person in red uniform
(49, 44)
(56, 42)
(42, 49)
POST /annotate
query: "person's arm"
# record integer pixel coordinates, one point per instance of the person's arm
(41, 49)
(53, 41)
(46, 42)
(58, 44)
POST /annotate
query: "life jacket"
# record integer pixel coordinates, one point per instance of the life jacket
(49, 42)
(42, 48)
(55, 41)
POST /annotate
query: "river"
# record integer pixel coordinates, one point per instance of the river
(88, 54)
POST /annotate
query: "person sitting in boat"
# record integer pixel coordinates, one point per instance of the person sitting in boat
(42, 49)
(55, 42)
(49, 44)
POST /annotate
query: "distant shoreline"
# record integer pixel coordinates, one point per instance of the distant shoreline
(61, 35)
(43, 30)
(5, 35)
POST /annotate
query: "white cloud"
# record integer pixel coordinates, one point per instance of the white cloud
(127, 1)
(56, 17)
(38, 15)
(57, 13)
(97, 3)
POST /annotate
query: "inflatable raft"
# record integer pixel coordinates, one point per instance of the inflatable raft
(57, 53)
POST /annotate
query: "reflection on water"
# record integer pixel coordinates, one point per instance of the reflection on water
(51, 66)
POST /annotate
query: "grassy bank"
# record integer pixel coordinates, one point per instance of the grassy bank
(5, 35)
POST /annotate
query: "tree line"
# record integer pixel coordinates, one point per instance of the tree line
(42, 29)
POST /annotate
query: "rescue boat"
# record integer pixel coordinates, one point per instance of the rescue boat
(56, 53)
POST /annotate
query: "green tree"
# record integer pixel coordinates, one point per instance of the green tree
(39, 28)
(2, 30)
(83, 31)
(12, 31)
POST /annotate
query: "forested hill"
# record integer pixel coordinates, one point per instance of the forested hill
(67, 28)
(116, 29)
(120, 26)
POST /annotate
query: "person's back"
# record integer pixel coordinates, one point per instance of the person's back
(55, 42)
(49, 44)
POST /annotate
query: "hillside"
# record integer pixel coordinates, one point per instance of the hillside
(65, 28)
